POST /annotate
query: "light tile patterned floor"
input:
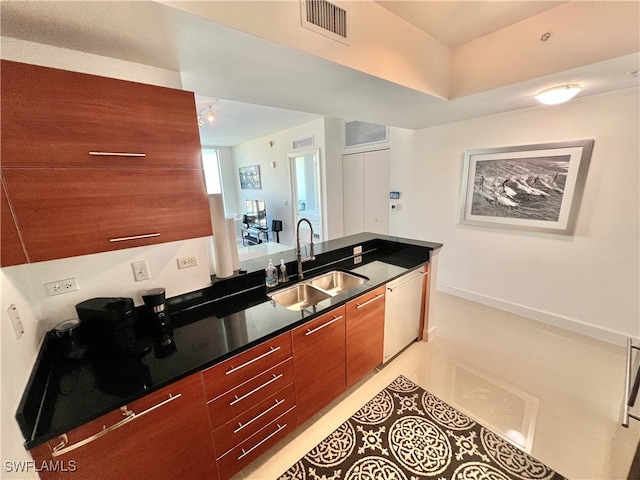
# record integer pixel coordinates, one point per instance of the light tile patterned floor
(555, 393)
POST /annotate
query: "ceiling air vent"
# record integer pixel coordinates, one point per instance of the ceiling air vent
(362, 133)
(305, 142)
(326, 18)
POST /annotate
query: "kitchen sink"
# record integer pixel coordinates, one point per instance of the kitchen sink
(336, 281)
(310, 292)
(299, 296)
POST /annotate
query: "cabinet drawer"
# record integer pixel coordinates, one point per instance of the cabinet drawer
(253, 447)
(246, 365)
(248, 423)
(232, 403)
(89, 113)
(65, 212)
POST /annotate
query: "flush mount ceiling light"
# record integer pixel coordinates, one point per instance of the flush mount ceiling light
(206, 114)
(556, 95)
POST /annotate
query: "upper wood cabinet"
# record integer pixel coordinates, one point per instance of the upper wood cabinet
(11, 248)
(55, 118)
(92, 164)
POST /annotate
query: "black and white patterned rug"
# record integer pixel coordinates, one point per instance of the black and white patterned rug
(406, 433)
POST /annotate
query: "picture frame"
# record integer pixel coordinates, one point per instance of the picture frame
(535, 188)
(250, 177)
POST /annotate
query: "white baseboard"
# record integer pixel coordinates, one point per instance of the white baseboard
(560, 321)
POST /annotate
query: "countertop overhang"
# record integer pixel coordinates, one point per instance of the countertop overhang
(209, 326)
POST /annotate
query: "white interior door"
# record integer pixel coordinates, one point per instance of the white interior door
(353, 192)
(376, 192)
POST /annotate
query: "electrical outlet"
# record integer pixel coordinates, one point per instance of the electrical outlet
(15, 321)
(357, 250)
(186, 262)
(61, 286)
(357, 260)
(141, 270)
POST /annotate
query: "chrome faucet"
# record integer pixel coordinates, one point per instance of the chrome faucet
(311, 255)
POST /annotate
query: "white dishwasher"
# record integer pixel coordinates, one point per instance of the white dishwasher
(403, 306)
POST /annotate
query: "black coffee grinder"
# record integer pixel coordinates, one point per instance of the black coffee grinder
(161, 330)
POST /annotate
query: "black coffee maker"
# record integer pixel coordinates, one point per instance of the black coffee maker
(110, 324)
(161, 330)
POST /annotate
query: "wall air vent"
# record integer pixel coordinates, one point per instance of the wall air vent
(362, 133)
(326, 18)
(306, 142)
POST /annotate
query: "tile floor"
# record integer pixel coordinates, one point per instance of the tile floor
(555, 393)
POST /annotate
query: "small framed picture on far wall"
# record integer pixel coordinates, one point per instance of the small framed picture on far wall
(250, 177)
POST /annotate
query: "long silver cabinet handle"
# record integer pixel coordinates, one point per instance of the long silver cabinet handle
(117, 154)
(247, 452)
(243, 425)
(135, 237)
(407, 282)
(235, 369)
(248, 394)
(335, 319)
(377, 297)
(61, 449)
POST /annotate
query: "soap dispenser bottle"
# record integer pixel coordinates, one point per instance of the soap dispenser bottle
(284, 276)
(271, 278)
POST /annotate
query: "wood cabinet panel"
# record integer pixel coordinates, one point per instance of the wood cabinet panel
(11, 249)
(246, 365)
(253, 447)
(87, 113)
(251, 421)
(65, 212)
(170, 441)
(365, 334)
(238, 400)
(319, 360)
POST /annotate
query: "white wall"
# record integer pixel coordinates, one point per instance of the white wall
(276, 187)
(588, 282)
(105, 274)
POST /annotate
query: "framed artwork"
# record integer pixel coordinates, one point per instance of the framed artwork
(250, 177)
(532, 187)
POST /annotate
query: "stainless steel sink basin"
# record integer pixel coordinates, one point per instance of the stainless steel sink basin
(299, 296)
(336, 281)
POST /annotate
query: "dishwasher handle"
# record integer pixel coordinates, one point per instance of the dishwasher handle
(407, 282)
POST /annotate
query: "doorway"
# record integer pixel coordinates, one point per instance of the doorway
(306, 190)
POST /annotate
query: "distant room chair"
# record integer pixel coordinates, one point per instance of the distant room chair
(276, 227)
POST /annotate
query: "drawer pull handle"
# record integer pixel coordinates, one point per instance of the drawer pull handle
(235, 369)
(397, 287)
(117, 154)
(239, 399)
(335, 319)
(360, 305)
(61, 448)
(247, 452)
(135, 237)
(241, 425)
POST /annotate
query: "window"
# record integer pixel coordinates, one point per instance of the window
(211, 167)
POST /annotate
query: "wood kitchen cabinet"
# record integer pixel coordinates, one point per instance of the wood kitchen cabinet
(11, 248)
(251, 403)
(365, 334)
(319, 362)
(116, 164)
(164, 435)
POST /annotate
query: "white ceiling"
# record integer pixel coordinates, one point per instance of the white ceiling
(266, 87)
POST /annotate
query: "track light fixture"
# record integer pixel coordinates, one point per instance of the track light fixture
(206, 115)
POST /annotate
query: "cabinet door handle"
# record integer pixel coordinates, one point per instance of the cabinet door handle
(242, 425)
(117, 154)
(61, 448)
(360, 305)
(239, 399)
(247, 452)
(235, 369)
(398, 287)
(135, 237)
(335, 319)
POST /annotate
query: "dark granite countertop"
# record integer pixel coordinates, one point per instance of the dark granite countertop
(209, 326)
